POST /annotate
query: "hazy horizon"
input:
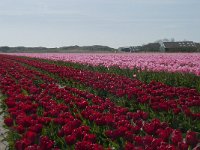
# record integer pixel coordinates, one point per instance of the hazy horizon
(114, 23)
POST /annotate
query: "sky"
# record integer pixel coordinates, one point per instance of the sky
(115, 23)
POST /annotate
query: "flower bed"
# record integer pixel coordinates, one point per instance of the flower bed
(43, 115)
(158, 96)
(174, 62)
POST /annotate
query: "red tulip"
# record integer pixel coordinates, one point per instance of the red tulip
(129, 146)
(147, 140)
(22, 144)
(70, 139)
(31, 136)
(156, 142)
(149, 128)
(46, 143)
(163, 134)
(191, 138)
(85, 145)
(36, 128)
(33, 147)
(135, 129)
(138, 140)
(8, 122)
(128, 136)
(183, 146)
(20, 129)
(176, 137)
(90, 138)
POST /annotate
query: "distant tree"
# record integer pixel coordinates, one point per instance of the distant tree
(165, 40)
(172, 40)
(4, 49)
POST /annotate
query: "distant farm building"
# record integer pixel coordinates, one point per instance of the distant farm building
(198, 46)
(183, 46)
(151, 47)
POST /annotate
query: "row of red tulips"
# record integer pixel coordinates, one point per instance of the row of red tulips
(158, 96)
(129, 130)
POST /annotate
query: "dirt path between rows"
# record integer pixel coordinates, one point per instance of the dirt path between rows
(3, 144)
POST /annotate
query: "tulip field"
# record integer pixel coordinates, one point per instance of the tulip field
(101, 101)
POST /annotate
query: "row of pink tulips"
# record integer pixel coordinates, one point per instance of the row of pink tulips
(174, 62)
